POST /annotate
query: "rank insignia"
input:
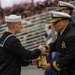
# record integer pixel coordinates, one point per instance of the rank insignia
(63, 45)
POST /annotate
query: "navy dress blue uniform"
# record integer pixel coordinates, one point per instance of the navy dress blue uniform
(72, 23)
(13, 55)
(65, 46)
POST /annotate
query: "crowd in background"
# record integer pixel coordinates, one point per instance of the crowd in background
(27, 9)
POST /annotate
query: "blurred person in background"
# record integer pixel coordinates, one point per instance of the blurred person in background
(12, 54)
(1, 16)
(64, 45)
(66, 8)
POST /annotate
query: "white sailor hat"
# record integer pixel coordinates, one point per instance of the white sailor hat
(12, 18)
(64, 5)
(57, 16)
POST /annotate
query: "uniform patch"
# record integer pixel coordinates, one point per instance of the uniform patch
(63, 45)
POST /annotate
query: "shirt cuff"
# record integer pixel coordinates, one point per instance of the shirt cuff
(40, 49)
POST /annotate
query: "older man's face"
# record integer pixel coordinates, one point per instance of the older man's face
(58, 26)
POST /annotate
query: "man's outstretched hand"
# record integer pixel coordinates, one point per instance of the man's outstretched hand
(42, 47)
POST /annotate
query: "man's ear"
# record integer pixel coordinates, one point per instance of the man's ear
(13, 25)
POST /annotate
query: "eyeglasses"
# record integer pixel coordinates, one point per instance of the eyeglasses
(56, 22)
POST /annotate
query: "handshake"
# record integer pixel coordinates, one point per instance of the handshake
(41, 61)
(44, 49)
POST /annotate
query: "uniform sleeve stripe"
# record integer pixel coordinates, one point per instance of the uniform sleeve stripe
(48, 48)
(55, 66)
